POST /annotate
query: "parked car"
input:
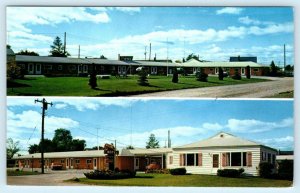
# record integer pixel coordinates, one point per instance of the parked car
(225, 74)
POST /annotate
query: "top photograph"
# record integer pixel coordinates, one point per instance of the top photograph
(194, 52)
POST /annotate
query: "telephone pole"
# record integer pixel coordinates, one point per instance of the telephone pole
(65, 42)
(44, 107)
(284, 60)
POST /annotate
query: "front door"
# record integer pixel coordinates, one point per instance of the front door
(71, 163)
(38, 68)
(136, 163)
(95, 163)
(30, 69)
(215, 160)
(243, 71)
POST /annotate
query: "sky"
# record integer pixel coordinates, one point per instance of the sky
(131, 121)
(213, 33)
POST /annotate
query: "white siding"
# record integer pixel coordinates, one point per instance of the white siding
(207, 153)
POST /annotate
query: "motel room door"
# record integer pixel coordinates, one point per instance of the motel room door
(71, 163)
(30, 69)
(95, 163)
(215, 163)
(136, 163)
(38, 69)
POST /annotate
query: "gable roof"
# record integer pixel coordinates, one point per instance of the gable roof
(144, 151)
(73, 154)
(195, 63)
(221, 139)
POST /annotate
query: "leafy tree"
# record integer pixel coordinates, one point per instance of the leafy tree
(63, 139)
(57, 49)
(221, 73)
(201, 75)
(192, 56)
(129, 147)
(178, 61)
(77, 145)
(35, 148)
(12, 148)
(93, 80)
(237, 75)
(152, 142)
(289, 68)
(26, 52)
(96, 148)
(175, 76)
(273, 69)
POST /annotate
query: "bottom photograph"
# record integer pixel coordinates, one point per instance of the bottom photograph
(66, 141)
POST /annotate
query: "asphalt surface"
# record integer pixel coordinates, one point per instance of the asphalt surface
(251, 90)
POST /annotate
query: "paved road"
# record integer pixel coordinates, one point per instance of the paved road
(50, 178)
(251, 90)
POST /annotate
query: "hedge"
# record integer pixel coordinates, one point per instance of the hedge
(178, 171)
(232, 173)
(109, 175)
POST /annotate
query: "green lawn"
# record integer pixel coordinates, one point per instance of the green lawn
(187, 181)
(20, 173)
(78, 86)
(288, 94)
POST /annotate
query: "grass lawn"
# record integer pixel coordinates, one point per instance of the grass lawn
(187, 181)
(20, 173)
(78, 86)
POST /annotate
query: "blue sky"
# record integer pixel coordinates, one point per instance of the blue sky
(131, 121)
(213, 33)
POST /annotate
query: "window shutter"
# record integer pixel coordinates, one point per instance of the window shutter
(181, 159)
(223, 159)
(249, 159)
(199, 159)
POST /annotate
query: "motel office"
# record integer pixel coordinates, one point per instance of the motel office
(220, 151)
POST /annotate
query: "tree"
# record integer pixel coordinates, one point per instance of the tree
(152, 142)
(63, 139)
(142, 72)
(35, 148)
(248, 72)
(102, 57)
(175, 76)
(77, 145)
(221, 73)
(26, 52)
(57, 49)
(93, 80)
(129, 147)
(274, 69)
(192, 56)
(12, 148)
(201, 75)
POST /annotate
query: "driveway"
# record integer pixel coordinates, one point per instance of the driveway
(50, 178)
(251, 90)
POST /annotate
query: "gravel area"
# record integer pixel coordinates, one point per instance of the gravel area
(251, 90)
(50, 178)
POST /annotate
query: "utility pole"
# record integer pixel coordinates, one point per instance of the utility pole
(150, 53)
(115, 164)
(44, 107)
(97, 140)
(78, 51)
(167, 57)
(284, 57)
(145, 53)
(65, 41)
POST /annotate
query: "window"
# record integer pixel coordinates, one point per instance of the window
(170, 159)
(236, 159)
(48, 67)
(88, 161)
(62, 161)
(153, 70)
(72, 67)
(269, 157)
(236, 70)
(273, 158)
(225, 159)
(190, 160)
(77, 161)
(244, 159)
(60, 67)
(255, 69)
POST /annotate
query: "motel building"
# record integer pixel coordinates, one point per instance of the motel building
(221, 151)
(125, 65)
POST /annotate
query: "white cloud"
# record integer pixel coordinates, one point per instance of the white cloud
(282, 143)
(128, 9)
(256, 126)
(272, 29)
(229, 10)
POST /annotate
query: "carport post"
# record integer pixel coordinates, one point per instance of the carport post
(32, 164)
(162, 161)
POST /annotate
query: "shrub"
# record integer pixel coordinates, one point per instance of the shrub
(285, 170)
(201, 76)
(232, 173)
(265, 169)
(248, 72)
(175, 76)
(178, 171)
(108, 174)
(236, 76)
(93, 80)
(142, 76)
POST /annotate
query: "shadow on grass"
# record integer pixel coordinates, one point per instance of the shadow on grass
(12, 84)
(144, 177)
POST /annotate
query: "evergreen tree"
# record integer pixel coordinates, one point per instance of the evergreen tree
(152, 142)
(26, 52)
(142, 76)
(248, 72)
(175, 76)
(221, 73)
(93, 80)
(57, 49)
